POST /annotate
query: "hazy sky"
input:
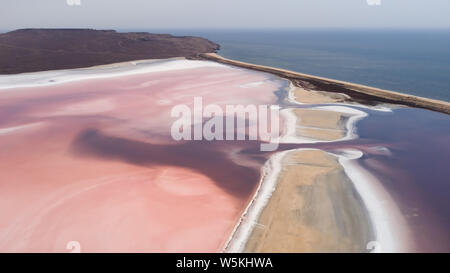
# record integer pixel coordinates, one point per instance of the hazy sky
(148, 14)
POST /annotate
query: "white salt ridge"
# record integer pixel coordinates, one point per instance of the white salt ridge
(291, 97)
(375, 108)
(252, 84)
(290, 135)
(390, 228)
(9, 130)
(350, 126)
(242, 231)
(46, 78)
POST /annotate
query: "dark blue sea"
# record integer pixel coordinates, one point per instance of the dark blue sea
(409, 61)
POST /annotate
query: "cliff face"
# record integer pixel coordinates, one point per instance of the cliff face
(29, 50)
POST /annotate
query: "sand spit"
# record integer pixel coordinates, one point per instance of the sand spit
(312, 209)
(319, 124)
(283, 217)
(352, 88)
(313, 201)
(303, 95)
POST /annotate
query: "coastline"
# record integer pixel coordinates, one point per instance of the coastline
(325, 84)
(82, 47)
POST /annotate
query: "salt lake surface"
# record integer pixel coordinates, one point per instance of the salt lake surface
(90, 159)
